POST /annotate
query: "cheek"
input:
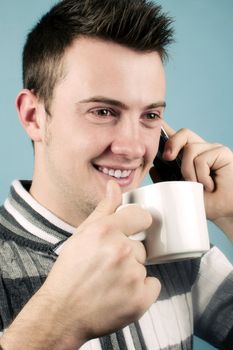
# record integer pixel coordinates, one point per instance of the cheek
(92, 142)
(86, 144)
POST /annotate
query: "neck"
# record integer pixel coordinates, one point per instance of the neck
(57, 203)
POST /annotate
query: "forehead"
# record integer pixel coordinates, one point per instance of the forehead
(101, 65)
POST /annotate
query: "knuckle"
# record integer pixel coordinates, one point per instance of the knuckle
(120, 253)
(136, 276)
(188, 148)
(216, 144)
(198, 161)
(184, 130)
(101, 229)
(227, 150)
(132, 279)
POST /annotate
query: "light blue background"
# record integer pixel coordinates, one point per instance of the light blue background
(199, 76)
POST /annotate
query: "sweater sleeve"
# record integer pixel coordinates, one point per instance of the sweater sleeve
(212, 295)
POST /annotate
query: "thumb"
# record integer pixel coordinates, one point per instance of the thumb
(108, 205)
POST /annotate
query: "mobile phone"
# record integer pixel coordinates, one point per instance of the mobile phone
(166, 170)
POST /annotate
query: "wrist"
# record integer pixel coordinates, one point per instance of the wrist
(226, 225)
(40, 326)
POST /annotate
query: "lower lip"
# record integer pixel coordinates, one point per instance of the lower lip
(123, 182)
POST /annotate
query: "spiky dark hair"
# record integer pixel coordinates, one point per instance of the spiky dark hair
(137, 24)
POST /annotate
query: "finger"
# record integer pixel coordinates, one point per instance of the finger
(209, 163)
(130, 219)
(168, 129)
(178, 140)
(190, 155)
(107, 205)
(220, 157)
(203, 174)
(151, 292)
(139, 251)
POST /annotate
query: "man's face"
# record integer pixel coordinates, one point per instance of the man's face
(105, 122)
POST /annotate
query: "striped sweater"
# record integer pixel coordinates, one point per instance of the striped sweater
(196, 295)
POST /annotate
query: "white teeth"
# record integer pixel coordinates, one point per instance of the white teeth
(111, 172)
(125, 173)
(105, 170)
(115, 173)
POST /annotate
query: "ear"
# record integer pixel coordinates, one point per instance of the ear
(30, 114)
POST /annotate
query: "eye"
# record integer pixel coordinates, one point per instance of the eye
(152, 116)
(103, 112)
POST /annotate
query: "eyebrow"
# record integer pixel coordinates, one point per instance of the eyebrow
(120, 104)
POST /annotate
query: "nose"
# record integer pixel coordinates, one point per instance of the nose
(128, 141)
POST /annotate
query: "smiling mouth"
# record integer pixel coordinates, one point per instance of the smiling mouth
(115, 173)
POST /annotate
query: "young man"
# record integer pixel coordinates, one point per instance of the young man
(92, 103)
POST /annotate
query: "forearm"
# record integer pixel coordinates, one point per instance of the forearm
(226, 225)
(39, 326)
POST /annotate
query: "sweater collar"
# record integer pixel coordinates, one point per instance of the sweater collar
(33, 218)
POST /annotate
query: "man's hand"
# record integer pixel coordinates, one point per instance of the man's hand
(209, 164)
(97, 285)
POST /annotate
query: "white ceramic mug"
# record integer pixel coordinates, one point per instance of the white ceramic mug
(179, 228)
